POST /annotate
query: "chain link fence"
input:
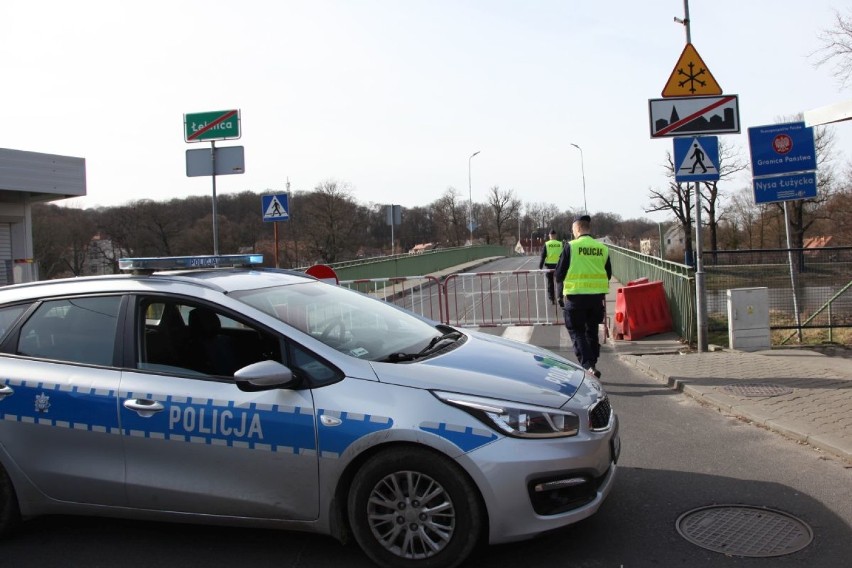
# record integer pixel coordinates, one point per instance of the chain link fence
(823, 291)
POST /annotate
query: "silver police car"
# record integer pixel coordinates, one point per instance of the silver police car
(193, 391)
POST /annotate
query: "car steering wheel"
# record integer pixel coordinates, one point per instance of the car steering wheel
(334, 328)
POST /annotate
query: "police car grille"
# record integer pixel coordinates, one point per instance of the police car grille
(599, 414)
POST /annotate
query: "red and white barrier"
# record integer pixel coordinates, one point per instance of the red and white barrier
(641, 309)
(487, 299)
(481, 299)
(419, 294)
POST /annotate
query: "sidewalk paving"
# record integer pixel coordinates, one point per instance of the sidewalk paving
(800, 393)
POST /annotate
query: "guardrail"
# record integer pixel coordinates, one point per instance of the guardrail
(410, 265)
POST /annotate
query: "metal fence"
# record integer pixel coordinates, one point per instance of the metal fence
(419, 294)
(823, 293)
(480, 299)
(493, 299)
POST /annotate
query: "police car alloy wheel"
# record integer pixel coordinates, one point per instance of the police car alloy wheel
(410, 507)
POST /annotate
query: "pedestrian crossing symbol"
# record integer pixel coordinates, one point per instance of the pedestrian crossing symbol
(274, 207)
(696, 159)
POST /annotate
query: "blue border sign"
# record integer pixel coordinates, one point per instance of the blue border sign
(785, 187)
(782, 149)
(696, 159)
(275, 207)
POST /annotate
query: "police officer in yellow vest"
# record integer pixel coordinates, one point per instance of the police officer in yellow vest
(584, 271)
(550, 253)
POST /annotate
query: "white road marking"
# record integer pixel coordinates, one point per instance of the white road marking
(522, 333)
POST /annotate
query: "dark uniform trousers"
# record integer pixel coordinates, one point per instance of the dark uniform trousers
(583, 315)
(551, 294)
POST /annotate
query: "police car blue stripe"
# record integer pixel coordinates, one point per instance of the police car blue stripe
(59, 406)
(248, 425)
(464, 437)
(333, 440)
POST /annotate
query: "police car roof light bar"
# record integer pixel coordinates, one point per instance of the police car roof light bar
(153, 263)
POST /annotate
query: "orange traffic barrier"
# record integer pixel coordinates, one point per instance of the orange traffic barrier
(643, 280)
(640, 310)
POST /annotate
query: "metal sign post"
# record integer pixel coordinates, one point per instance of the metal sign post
(275, 208)
(784, 163)
(215, 214)
(212, 126)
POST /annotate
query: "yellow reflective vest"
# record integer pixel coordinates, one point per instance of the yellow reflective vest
(586, 271)
(554, 251)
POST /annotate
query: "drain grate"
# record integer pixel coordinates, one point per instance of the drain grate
(757, 389)
(742, 530)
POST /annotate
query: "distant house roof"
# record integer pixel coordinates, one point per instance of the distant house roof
(818, 242)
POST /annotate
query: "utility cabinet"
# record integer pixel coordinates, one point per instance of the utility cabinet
(748, 319)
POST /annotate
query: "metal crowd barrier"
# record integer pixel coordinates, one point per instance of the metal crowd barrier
(481, 299)
(419, 294)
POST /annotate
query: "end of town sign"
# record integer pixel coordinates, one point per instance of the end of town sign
(694, 116)
(209, 126)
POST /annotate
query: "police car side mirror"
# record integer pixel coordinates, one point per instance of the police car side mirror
(264, 375)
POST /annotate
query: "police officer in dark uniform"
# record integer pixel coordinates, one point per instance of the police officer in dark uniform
(550, 253)
(583, 271)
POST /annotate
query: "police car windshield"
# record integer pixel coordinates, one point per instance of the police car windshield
(347, 321)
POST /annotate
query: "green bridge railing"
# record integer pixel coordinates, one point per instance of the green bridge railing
(416, 264)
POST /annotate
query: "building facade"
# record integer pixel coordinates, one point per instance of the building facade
(27, 178)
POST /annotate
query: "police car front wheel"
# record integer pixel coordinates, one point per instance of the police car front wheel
(414, 508)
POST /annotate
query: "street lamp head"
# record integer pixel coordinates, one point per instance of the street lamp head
(474, 154)
(577, 147)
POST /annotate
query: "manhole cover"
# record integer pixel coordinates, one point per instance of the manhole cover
(757, 389)
(741, 530)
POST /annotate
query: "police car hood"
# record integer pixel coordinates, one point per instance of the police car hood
(492, 367)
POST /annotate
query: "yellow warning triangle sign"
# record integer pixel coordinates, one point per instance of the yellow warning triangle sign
(690, 77)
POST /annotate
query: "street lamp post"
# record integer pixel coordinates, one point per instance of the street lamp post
(470, 199)
(582, 169)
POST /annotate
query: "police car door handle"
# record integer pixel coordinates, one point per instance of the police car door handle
(5, 391)
(144, 407)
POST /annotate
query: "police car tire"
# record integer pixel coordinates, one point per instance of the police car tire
(9, 513)
(459, 490)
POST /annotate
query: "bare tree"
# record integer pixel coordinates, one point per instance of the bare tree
(730, 164)
(335, 221)
(61, 238)
(450, 218)
(540, 216)
(677, 199)
(504, 207)
(803, 213)
(837, 48)
(839, 222)
(745, 219)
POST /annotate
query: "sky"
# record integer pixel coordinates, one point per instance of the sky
(392, 97)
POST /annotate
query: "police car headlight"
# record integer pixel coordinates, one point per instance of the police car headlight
(513, 419)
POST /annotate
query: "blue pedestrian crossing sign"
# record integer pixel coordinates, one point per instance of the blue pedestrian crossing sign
(275, 207)
(696, 158)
